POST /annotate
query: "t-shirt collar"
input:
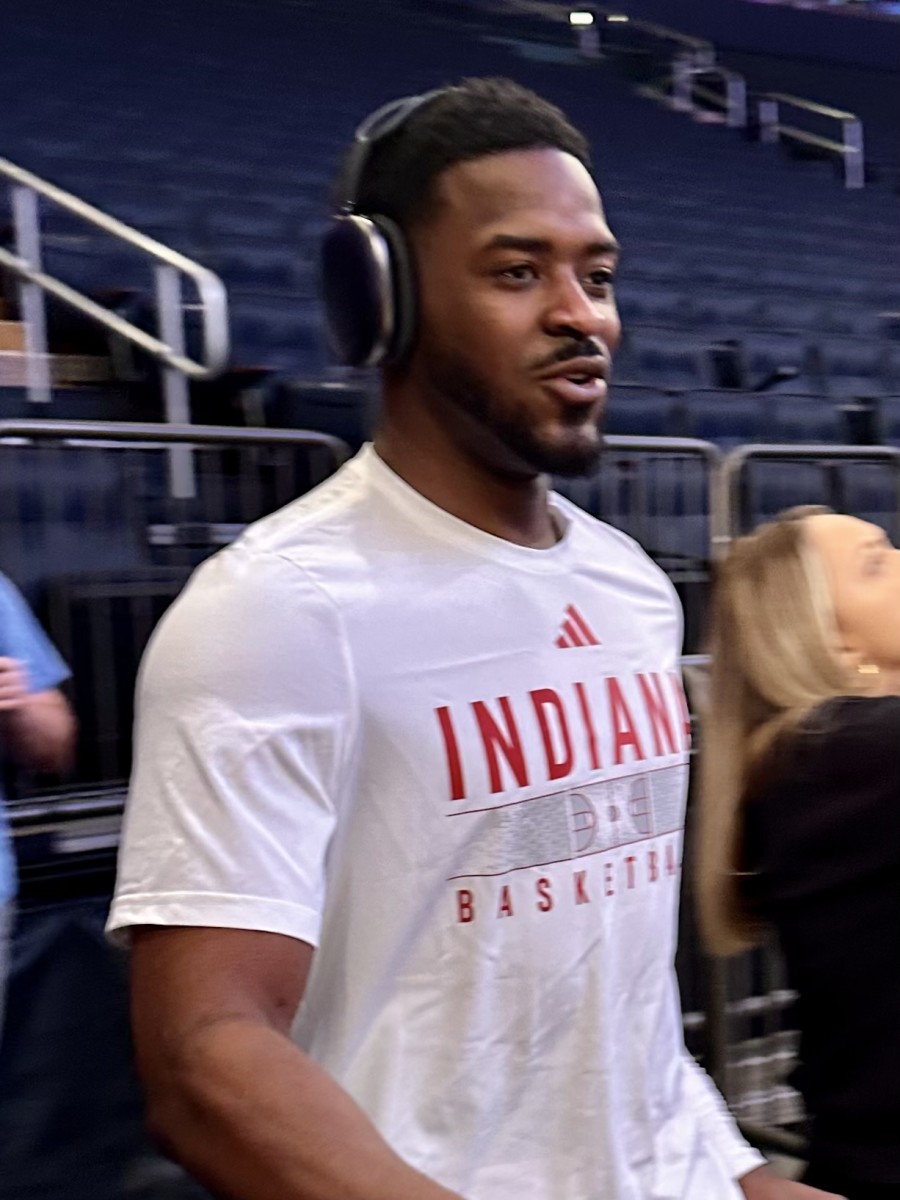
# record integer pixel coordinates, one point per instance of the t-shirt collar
(452, 529)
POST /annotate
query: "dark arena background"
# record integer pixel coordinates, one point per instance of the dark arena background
(164, 380)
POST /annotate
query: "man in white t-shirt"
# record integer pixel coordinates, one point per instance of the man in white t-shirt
(401, 855)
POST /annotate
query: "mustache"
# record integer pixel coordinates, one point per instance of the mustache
(585, 348)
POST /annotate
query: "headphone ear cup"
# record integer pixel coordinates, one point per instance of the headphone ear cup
(356, 275)
(403, 279)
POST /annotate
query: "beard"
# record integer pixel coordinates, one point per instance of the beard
(511, 431)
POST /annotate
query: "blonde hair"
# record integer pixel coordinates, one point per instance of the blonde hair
(773, 643)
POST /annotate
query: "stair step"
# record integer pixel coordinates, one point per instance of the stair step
(12, 336)
(64, 368)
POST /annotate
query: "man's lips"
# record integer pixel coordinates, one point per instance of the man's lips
(578, 381)
(583, 369)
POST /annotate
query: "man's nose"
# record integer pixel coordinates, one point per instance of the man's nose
(575, 313)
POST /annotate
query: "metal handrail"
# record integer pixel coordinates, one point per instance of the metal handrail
(160, 435)
(701, 48)
(850, 147)
(167, 349)
(50, 809)
(811, 106)
(179, 440)
(112, 321)
(625, 441)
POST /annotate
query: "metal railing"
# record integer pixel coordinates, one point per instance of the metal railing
(850, 147)
(112, 433)
(691, 83)
(27, 190)
(628, 492)
(609, 22)
(733, 515)
(699, 52)
(91, 533)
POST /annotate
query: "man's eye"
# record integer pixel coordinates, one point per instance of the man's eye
(520, 273)
(600, 280)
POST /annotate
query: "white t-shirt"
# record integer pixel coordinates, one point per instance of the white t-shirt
(458, 767)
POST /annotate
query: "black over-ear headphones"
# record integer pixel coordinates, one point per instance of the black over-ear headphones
(367, 276)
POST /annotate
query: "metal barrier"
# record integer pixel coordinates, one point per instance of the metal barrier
(751, 1045)
(115, 433)
(659, 491)
(91, 533)
(627, 491)
(849, 148)
(168, 349)
(820, 474)
(737, 1012)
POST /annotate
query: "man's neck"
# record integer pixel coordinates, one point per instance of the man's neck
(508, 506)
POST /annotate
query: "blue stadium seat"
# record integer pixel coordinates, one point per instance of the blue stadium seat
(63, 510)
(645, 412)
(646, 302)
(889, 411)
(279, 334)
(869, 490)
(729, 418)
(665, 358)
(770, 487)
(345, 410)
(809, 419)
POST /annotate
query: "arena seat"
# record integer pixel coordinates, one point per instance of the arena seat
(344, 409)
(809, 419)
(729, 418)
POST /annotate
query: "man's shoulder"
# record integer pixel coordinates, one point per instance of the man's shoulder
(279, 561)
(325, 514)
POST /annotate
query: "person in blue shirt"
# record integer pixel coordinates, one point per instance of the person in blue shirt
(37, 726)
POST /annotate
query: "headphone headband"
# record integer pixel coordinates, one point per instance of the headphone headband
(376, 126)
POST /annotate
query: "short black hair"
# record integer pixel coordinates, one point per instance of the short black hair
(472, 119)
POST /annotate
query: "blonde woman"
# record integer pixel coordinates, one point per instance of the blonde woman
(800, 815)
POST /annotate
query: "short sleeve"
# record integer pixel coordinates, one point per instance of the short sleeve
(22, 638)
(245, 714)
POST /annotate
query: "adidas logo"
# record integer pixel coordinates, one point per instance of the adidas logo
(575, 631)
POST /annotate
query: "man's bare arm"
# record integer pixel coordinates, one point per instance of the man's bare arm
(229, 1094)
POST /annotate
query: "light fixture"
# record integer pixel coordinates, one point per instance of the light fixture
(581, 18)
(617, 19)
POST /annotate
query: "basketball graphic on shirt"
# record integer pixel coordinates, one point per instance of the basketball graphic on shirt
(583, 821)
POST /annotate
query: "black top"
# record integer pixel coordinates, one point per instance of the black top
(823, 835)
